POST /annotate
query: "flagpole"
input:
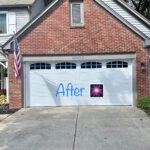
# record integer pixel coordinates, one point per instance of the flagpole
(17, 61)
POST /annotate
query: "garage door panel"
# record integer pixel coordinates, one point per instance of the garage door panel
(117, 86)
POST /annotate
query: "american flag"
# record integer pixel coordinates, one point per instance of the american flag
(17, 57)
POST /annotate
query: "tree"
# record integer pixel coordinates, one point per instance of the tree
(49, 1)
(142, 6)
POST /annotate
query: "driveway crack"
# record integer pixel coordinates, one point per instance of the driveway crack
(1, 120)
(75, 133)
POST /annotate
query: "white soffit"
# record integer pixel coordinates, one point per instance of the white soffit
(16, 2)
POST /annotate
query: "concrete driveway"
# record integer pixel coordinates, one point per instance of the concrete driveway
(76, 128)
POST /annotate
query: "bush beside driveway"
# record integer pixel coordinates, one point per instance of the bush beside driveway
(144, 104)
(76, 128)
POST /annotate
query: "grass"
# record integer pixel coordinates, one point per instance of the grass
(144, 104)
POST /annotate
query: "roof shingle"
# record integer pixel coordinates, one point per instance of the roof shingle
(16, 2)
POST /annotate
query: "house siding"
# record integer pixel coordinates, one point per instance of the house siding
(101, 34)
(37, 7)
(22, 17)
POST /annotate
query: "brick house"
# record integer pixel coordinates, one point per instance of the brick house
(82, 52)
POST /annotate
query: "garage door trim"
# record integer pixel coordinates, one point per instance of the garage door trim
(120, 57)
(78, 57)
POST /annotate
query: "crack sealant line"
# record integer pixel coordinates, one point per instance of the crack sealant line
(75, 133)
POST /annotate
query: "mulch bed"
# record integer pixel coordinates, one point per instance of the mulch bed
(4, 109)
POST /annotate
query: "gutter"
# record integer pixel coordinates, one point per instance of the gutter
(15, 6)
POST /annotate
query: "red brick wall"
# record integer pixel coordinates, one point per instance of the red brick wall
(102, 33)
(14, 85)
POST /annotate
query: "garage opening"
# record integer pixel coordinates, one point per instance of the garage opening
(71, 83)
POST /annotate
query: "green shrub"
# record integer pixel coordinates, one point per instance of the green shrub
(144, 103)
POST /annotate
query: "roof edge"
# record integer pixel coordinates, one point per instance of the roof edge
(134, 12)
(15, 6)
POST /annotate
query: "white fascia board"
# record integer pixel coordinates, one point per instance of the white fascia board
(78, 57)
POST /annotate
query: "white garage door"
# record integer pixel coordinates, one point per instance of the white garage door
(80, 83)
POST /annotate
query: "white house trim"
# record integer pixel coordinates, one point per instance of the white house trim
(78, 57)
(7, 32)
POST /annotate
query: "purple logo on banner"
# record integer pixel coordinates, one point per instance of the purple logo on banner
(96, 90)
